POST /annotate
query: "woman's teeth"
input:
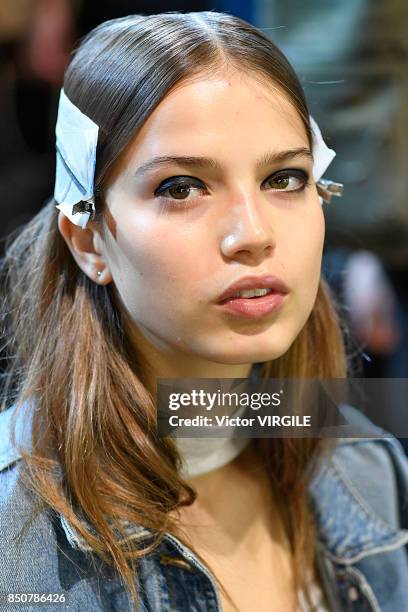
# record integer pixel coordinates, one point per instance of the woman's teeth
(250, 293)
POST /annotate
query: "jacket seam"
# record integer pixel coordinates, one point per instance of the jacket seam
(365, 588)
(9, 463)
(189, 555)
(79, 543)
(348, 561)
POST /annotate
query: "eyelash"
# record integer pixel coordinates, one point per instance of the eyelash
(188, 181)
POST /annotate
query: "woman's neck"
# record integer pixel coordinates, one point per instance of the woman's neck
(230, 500)
(236, 526)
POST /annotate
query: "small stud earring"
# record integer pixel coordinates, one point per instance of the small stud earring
(99, 273)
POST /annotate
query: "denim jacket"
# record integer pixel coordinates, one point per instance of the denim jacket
(360, 503)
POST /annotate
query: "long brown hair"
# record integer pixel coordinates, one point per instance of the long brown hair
(96, 457)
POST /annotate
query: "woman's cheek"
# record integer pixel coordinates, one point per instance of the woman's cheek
(155, 272)
(307, 268)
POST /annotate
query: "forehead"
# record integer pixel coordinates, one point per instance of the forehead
(234, 113)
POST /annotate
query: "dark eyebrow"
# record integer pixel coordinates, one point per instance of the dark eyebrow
(208, 162)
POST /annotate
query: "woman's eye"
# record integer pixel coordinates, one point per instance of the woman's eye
(289, 180)
(179, 189)
(183, 188)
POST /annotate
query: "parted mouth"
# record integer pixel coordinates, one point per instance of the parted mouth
(253, 287)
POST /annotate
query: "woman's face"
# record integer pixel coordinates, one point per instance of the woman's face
(180, 233)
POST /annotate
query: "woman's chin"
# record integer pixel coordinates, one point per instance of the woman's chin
(235, 356)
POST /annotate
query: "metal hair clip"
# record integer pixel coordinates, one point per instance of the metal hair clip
(84, 206)
(327, 189)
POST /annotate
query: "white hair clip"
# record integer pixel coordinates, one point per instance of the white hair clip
(322, 158)
(76, 142)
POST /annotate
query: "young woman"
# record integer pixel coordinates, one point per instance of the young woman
(187, 167)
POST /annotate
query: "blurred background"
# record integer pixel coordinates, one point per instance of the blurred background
(352, 59)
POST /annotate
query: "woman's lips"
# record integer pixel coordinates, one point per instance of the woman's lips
(252, 308)
(232, 301)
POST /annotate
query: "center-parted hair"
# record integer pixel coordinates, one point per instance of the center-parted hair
(125, 67)
(97, 458)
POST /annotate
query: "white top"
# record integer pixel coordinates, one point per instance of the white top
(202, 455)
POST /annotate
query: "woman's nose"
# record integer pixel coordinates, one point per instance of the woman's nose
(248, 231)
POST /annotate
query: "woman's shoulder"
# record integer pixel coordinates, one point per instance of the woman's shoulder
(18, 504)
(371, 459)
(17, 421)
(36, 555)
(360, 492)
(15, 499)
(26, 549)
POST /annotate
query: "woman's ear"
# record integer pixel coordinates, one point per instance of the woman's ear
(86, 248)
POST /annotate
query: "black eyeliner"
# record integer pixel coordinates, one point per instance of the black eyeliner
(177, 181)
(298, 173)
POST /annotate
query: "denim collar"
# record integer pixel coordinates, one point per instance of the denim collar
(348, 528)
